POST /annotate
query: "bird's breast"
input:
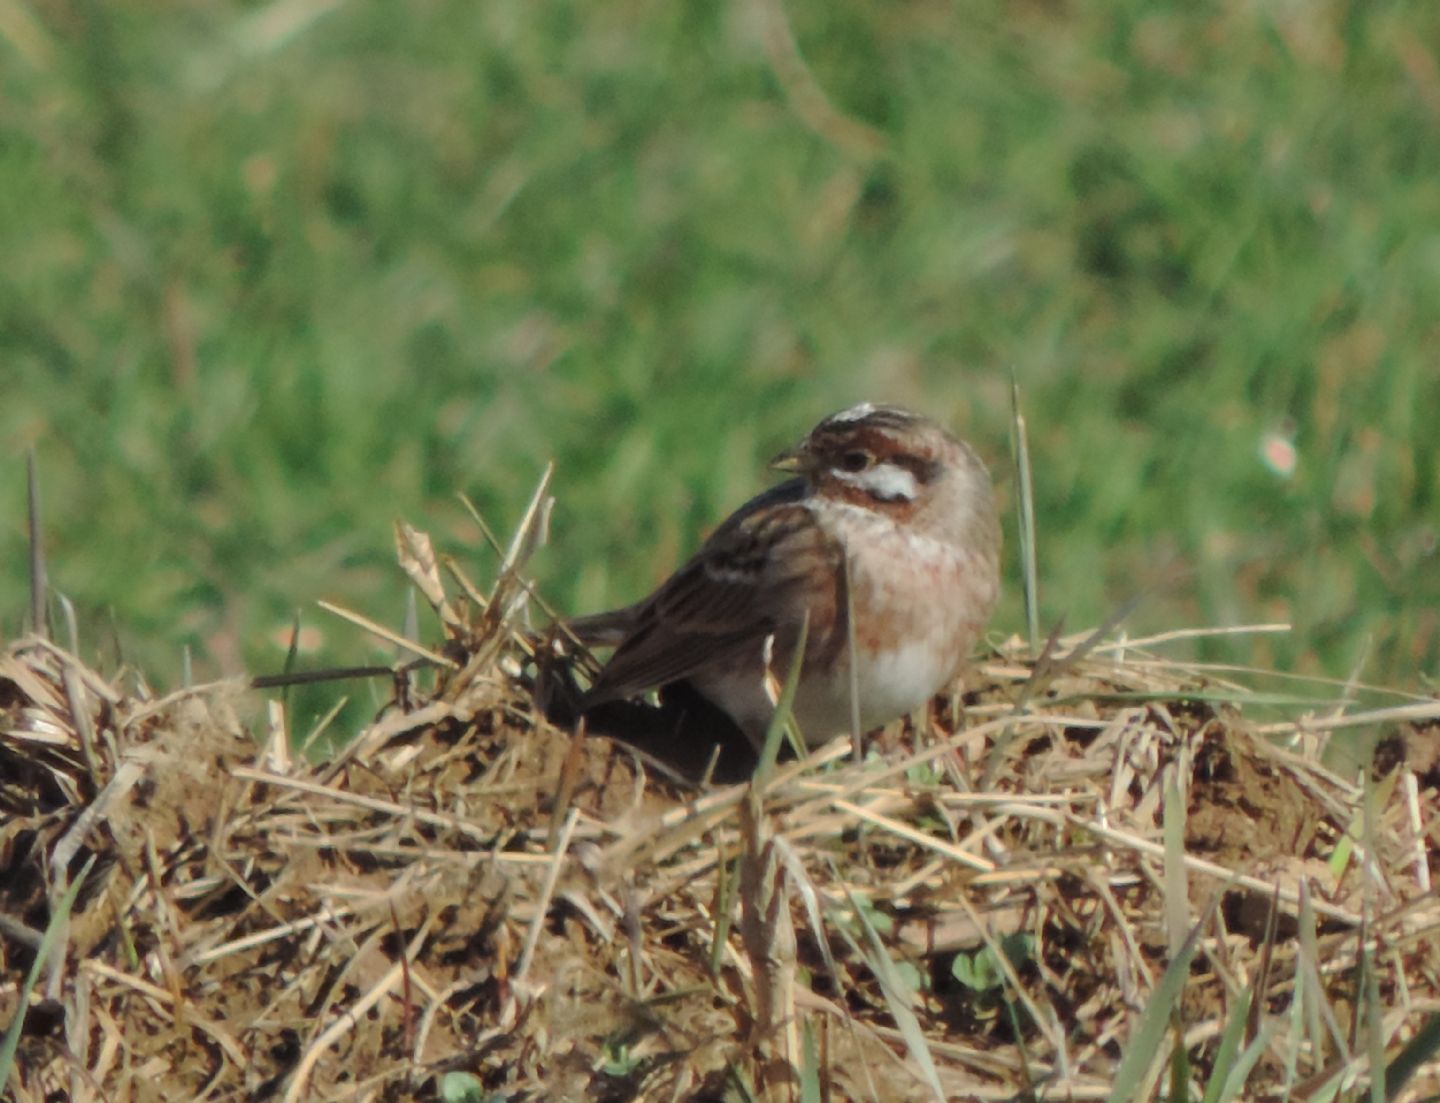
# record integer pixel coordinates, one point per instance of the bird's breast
(919, 604)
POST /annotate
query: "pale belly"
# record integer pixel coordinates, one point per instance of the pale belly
(886, 685)
(919, 608)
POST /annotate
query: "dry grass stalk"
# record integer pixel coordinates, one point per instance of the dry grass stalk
(258, 924)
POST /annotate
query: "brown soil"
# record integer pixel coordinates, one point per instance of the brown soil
(468, 889)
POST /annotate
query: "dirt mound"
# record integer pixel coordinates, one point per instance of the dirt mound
(1090, 870)
(469, 899)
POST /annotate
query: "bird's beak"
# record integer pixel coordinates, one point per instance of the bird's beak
(795, 459)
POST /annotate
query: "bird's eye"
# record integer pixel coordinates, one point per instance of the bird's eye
(855, 461)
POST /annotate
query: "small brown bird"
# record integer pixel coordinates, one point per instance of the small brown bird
(887, 503)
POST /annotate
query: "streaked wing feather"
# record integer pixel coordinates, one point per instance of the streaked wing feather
(645, 666)
(752, 577)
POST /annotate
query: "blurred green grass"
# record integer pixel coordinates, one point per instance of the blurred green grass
(277, 274)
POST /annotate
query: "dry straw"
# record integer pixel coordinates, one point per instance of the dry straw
(469, 899)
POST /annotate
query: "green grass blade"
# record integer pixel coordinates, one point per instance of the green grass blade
(38, 585)
(856, 744)
(42, 956)
(1372, 1005)
(1225, 1057)
(1424, 1047)
(1179, 1067)
(1177, 892)
(1372, 1008)
(1025, 506)
(1239, 1072)
(895, 990)
(778, 723)
(810, 1088)
(725, 881)
(1146, 1041)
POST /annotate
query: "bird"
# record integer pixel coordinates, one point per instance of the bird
(889, 517)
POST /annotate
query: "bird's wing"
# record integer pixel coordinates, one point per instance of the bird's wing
(758, 574)
(605, 629)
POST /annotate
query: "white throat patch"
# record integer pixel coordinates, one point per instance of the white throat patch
(888, 482)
